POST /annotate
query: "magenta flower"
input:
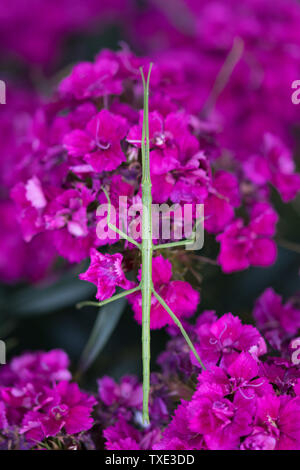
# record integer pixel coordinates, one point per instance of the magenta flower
(3, 420)
(41, 367)
(275, 166)
(259, 439)
(244, 372)
(221, 421)
(105, 271)
(164, 135)
(179, 296)
(129, 393)
(31, 202)
(221, 341)
(281, 373)
(123, 436)
(223, 198)
(279, 416)
(178, 435)
(277, 321)
(242, 378)
(67, 408)
(92, 79)
(99, 144)
(67, 216)
(243, 246)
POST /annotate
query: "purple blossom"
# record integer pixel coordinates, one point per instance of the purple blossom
(105, 271)
(223, 198)
(259, 439)
(242, 246)
(275, 166)
(92, 79)
(31, 201)
(123, 436)
(277, 321)
(178, 435)
(66, 407)
(99, 144)
(128, 394)
(221, 421)
(221, 341)
(279, 417)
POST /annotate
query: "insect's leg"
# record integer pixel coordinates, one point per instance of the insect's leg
(174, 244)
(187, 241)
(179, 324)
(116, 229)
(111, 299)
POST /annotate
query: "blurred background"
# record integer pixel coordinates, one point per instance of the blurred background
(40, 40)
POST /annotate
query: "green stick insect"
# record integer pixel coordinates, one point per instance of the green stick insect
(147, 247)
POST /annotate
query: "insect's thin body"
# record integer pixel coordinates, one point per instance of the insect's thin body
(146, 248)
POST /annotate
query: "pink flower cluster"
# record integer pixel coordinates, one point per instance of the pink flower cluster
(244, 400)
(89, 136)
(17, 258)
(37, 397)
(263, 38)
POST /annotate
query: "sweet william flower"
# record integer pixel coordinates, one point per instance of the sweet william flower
(3, 420)
(164, 135)
(279, 416)
(220, 341)
(67, 217)
(241, 378)
(92, 79)
(31, 201)
(67, 408)
(277, 321)
(41, 367)
(259, 439)
(123, 436)
(276, 166)
(128, 393)
(105, 271)
(178, 435)
(223, 198)
(243, 246)
(244, 377)
(99, 144)
(221, 421)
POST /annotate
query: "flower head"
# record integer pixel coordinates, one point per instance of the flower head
(105, 271)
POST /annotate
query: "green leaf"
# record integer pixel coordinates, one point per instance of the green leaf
(41, 300)
(104, 326)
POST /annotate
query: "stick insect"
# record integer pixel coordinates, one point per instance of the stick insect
(146, 247)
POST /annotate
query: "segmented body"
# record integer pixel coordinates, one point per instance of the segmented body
(146, 248)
